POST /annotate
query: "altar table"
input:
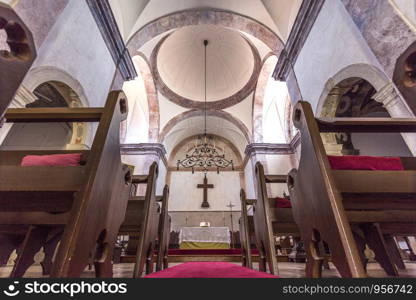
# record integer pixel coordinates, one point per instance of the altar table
(204, 238)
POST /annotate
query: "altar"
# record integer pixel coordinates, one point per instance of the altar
(204, 238)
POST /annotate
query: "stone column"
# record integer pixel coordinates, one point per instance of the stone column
(396, 106)
(258, 152)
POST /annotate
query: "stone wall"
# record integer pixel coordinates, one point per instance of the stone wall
(333, 44)
(68, 47)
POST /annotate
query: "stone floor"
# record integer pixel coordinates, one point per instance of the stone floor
(287, 270)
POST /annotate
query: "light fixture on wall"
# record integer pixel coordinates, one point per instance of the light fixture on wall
(204, 154)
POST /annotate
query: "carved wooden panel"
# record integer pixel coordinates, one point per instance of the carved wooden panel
(17, 60)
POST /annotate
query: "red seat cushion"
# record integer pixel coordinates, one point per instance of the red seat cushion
(283, 203)
(209, 270)
(63, 160)
(375, 163)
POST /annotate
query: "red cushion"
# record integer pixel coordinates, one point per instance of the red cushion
(63, 160)
(209, 270)
(366, 163)
(283, 203)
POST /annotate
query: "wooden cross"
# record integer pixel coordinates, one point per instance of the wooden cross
(205, 186)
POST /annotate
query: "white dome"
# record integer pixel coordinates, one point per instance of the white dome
(230, 62)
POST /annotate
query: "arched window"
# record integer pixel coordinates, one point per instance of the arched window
(277, 127)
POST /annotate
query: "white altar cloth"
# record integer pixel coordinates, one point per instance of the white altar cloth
(205, 235)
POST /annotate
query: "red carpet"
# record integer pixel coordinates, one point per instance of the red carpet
(350, 162)
(209, 270)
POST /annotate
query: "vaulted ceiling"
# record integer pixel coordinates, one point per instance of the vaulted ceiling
(169, 35)
(278, 15)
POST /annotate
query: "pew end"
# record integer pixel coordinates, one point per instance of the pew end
(327, 203)
(83, 200)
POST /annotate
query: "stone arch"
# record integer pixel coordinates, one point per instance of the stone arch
(377, 78)
(51, 93)
(152, 96)
(355, 92)
(210, 113)
(39, 75)
(204, 16)
(82, 132)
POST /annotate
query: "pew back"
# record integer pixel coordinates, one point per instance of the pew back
(92, 198)
(164, 232)
(321, 195)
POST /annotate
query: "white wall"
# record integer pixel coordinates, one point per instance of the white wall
(279, 165)
(185, 196)
(75, 45)
(333, 44)
(141, 164)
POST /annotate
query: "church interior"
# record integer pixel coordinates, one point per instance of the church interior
(208, 138)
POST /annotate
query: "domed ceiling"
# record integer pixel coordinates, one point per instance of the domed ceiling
(231, 61)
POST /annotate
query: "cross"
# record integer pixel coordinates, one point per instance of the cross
(205, 186)
(231, 205)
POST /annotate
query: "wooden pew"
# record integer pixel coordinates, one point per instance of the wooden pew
(14, 64)
(142, 224)
(328, 204)
(270, 221)
(247, 237)
(246, 231)
(86, 202)
(164, 233)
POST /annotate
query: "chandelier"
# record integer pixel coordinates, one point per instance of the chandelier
(204, 154)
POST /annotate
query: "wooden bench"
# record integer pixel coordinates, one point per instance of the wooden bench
(328, 204)
(268, 220)
(246, 226)
(142, 222)
(247, 236)
(87, 202)
(14, 64)
(165, 222)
